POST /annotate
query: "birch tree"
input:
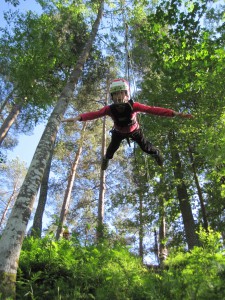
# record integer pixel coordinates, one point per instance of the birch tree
(11, 179)
(38, 217)
(9, 121)
(37, 56)
(13, 235)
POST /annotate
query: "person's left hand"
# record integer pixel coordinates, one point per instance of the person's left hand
(188, 116)
(183, 115)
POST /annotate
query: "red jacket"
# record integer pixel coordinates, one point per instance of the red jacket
(137, 107)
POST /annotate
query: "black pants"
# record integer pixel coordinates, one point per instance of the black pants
(137, 136)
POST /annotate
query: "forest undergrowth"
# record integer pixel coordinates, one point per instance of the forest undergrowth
(64, 269)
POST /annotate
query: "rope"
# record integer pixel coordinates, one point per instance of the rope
(129, 74)
(125, 25)
(127, 51)
(128, 63)
(129, 71)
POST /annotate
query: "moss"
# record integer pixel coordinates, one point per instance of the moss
(7, 286)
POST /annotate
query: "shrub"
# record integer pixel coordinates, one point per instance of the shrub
(198, 274)
(65, 270)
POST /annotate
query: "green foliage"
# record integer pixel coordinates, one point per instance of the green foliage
(39, 52)
(198, 274)
(65, 270)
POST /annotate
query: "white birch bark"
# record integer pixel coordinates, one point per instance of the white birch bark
(13, 235)
(9, 121)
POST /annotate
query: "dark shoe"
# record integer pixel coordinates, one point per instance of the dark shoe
(105, 163)
(158, 158)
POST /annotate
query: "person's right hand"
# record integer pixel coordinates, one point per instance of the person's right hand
(183, 115)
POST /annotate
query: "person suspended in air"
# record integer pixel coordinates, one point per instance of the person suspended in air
(124, 112)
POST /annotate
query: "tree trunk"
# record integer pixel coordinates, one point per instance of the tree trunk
(67, 196)
(162, 251)
(200, 195)
(9, 202)
(185, 206)
(162, 231)
(102, 189)
(6, 101)
(37, 224)
(13, 235)
(141, 228)
(3, 217)
(9, 121)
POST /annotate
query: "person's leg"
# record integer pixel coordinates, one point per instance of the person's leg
(116, 140)
(146, 146)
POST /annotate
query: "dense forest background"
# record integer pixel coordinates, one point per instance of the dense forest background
(136, 231)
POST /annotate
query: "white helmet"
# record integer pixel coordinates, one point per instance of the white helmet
(119, 84)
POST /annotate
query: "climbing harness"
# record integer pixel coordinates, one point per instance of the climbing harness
(122, 114)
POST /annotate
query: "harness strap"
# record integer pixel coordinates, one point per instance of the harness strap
(128, 141)
(122, 113)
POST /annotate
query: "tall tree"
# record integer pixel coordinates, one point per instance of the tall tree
(102, 187)
(163, 251)
(46, 47)
(7, 98)
(182, 62)
(70, 182)
(199, 190)
(183, 197)
(9, 121)
(38, 217)
(12, 176)
(13, 235)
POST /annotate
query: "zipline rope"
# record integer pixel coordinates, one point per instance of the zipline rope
(130, 73)
(128, 60)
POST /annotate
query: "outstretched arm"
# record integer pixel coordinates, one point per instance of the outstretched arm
(78, 118)
(183, 115)
(90, 115)
(160, 111)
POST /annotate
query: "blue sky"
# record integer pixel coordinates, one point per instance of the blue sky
(24, 6)
(27, 143)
